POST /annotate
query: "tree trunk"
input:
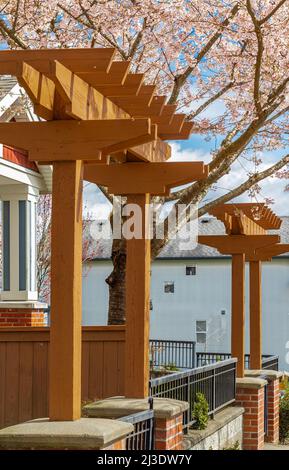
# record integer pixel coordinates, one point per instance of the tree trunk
(116, 283)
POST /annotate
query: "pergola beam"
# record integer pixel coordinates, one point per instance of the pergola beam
(237, 244)
(77, 60)
(141, 178)
(70, 140)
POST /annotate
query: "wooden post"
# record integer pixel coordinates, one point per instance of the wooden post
(137, 307)
(66, 265)
(255, 315)
(238, 312)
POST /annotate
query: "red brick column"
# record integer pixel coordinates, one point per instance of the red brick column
(22, 317)
(169, 433)
(118, 445)
(273, 377)
(250, 395)
(273, 410)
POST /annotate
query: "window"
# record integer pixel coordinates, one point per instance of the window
(191, 270)
(201, 331)
(169, 287)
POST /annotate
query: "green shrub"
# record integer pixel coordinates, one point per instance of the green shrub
(171, 367)
(284, 417)
(200, 412)
(235, 446)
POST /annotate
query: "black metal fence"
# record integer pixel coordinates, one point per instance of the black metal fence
(205, 358)
(270, 362)
(179, 354)
(142, 437)
(217, 382)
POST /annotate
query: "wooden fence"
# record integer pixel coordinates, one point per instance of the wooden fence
(24, 369)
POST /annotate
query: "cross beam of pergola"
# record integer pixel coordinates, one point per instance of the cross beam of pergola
(104, 124)
(246, 239)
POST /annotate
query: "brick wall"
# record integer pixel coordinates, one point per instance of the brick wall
(273, 411)
(118, 445)
(252, 399)
(169, 433)
(22, 317)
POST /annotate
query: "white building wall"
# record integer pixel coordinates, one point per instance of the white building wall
(200, 297)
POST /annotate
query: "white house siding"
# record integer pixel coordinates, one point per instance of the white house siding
(200, 297)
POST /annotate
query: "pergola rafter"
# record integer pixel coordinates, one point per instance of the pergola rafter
(105, 124)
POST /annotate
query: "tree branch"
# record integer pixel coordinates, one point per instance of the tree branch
(259, 56)
(11, 34)
(251, 181)
(181, 79)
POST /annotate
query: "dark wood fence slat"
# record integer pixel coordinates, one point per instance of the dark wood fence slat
(2, 383)
(12, 384)
(25, 381)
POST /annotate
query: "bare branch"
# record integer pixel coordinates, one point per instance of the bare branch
(7, 32)
(251, 181)
(266, 18)
(259, 56)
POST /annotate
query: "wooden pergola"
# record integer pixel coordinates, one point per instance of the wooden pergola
(246, 239)
(102, 123)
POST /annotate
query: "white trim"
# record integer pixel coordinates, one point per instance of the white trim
(22, 175)
(14, 194)
(9, 99)
(23, 304)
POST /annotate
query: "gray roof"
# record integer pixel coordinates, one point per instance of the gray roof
(206, 226)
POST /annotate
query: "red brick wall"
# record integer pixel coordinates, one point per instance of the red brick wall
(21, 317)
(273, 411)
(252, 399)
(119, 445)
(169, 433)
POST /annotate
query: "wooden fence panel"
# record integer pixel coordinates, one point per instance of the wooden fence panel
(24, 366)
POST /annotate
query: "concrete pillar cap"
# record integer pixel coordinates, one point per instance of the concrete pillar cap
(268, 374)
(117, 407)
(83, 433)
(250, 382)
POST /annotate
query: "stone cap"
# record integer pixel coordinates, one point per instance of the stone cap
(29, 304)
(117, 407)
(82, 434)
(250, 382)
(267, 374)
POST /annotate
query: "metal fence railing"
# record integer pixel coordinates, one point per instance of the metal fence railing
(205, 358)
(142, 437)
(217, 382)
(270, 362)
(179, 354)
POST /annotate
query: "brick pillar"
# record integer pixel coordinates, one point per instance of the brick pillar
(273, 378)
(273, 411)
(169, 433)
(21, 317)
(250, 395)
(118, 445)
(168, 417)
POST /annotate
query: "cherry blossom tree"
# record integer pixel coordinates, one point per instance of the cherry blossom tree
(225, 63)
